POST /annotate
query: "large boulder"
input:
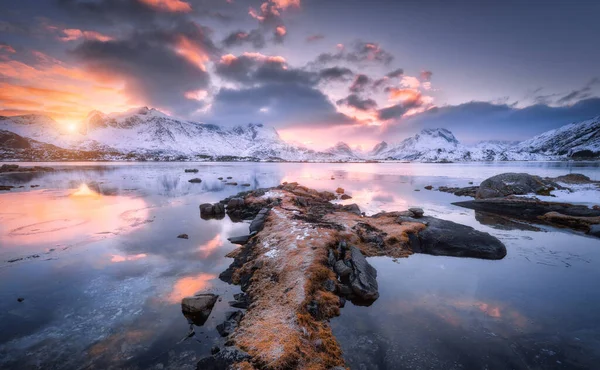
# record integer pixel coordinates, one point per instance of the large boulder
(198, 308)
(447, 238)
(223, 360)
(259, 221)
(507, 184)
(363, 279)
(208, 211)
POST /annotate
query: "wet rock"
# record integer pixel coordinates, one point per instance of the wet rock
(447, 238)
(232, 320)
(363, 279)
(235, 203)
(573, 222)
(259, 221)
(20, 299)
(510, 183)
(468, 191)
(352, 208)
(191, 170)
(219, 178)
(5, 187)
(339, 190)
(214, 350)
(246, 184)
(229, 178)
(198, 308)
(342, 270)
(34, 186)
(416, 212)
(223, 359)
(195, 180)
(183, 236)
(428, 187)
(242, 300)
(596, 208)
(345, 197)
(208, 210)
(241, 240)
(231, 183)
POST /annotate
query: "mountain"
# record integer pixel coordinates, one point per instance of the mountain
(148, 134)
(575, 140)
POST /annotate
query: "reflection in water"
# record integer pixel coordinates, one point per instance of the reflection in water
(210, 247)
(117, 258)
(189, 286)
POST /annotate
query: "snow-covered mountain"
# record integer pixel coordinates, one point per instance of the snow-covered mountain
(143, 133)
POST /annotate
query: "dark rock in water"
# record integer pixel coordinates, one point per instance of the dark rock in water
(231, 183)
(208, 210)
(246, 184)
(241, 240)
(573, 222)
(214, 350)
(507, 184)
(363, 279)
(468, 191)
(447, 238)
(339, 190)
(503, 223)
(235, 203)
(229, 178)
(5, 187)
(197, 309)
(20, 299)
(417, 212)
(223, 359)
(34, 186)
(428, 187)
(183, 236)
(259, 221)
(191, 170)
(345, 197)
(352, 208)
(195, 180)
(220, 178)
(232, 320)
(242, 300)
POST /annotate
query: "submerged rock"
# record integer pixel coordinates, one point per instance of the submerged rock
(363, 279)
(208, 211)
(468, 191)
(198, 308)
(507, 184)
(183, 236)
(241, 240)
(223, 359)
(447, 238)
(191, 170)
(195, 180)
(232, 320)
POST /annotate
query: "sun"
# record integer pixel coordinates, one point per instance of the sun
(72, 127)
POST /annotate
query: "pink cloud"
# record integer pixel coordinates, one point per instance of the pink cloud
(72, 34)
(173, 6)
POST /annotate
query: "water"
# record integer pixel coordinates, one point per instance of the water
(94, 252)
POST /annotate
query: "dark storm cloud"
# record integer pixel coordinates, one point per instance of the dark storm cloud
(313, 38)
(397, 110)
(359, 52)
(239, 38)
(355, 101)
(360, 83)
(471, 122)
(576, 95)
(287, 104)
(151, 68)
(395, 73)
(336, 73)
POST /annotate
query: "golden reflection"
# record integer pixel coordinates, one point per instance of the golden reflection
(190, 285)
(118, 258)
(206, 250)
(54, 217)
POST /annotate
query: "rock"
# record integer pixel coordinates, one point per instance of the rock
(345, 197)
(231, 183)
(235, 203)
(241, 240)
(596, 207)
(573, 222)
(507, 184)
(417, 189)
(208, 210)
(198, 308)
(20, 299)
(417, 212)
(363, 279)
(223, 359)
(219, 209)
(246, 184)
(183, 236)
(5, 187)
(468, 191)
(195, 180)
(259, 221)
(342, 269)
(9, 167)
(232, 320)
(352, 208)
(242, 300)
(191, 170)
(594, 231)
(229, 178)
(428, 187)
(447, 238)
(339, 190)
(329, 285)
(34, 186)
(219, 178)
(574, 178)
(214, 350)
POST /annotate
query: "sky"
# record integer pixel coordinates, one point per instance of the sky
(319, 71)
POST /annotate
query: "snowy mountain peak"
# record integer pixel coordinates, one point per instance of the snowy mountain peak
(441, 133)
(378, 148)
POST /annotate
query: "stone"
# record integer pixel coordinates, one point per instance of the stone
(510, 183)
(259, 221)
(468, 191)
(214, 350)
(594, 230)
(417, 212)
(345, 197)
(242, 300)
(352, 208)
(229, 178)
(447, 238)
(231, 183)
(223, 359)
(428, 187)
(208, 210)
(9, 167)
(5, 187)
(235, 203)
(246, 184)
(219, 178)
(195, 180)
(191, 170)
(329, 285)
(20, 299)
(241, 240)
(574, 178)
(339, 190)
(232, 320)
(183, 236)
(342, 269)
(198, 307)
(364, 277)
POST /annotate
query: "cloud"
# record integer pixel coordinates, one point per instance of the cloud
(395, 73)
(576, 95)
(360, 83)
(7, 48)
(239, 38)
(336, 73)
(280, 32)
(316, 37)
(359, 53)
(356, 102)
(426, 76)
(169, 5)
(72, 34)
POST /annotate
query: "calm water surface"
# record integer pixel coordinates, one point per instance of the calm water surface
(94, 252)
